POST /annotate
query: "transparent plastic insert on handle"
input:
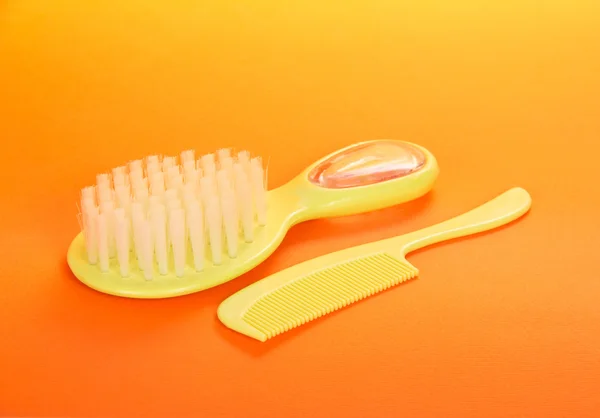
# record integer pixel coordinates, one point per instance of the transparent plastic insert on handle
(366, 164)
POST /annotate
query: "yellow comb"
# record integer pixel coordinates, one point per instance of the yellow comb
(322, 285)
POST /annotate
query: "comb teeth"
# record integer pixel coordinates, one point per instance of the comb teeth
(325, 291)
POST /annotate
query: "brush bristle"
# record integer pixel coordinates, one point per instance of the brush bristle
(152, 210)
(325, 291)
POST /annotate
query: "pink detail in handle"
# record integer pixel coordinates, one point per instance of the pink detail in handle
(366, 164)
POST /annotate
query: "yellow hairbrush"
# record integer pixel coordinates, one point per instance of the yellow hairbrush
(168, 226)
(311, 289)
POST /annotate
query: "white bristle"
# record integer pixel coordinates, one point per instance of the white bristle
(90, 219)
(153, 202)
(172, 172)
(226, 164)
(159, 231)
(137, 181)
(258, 190)
(107, 208)
(188, 194)
(188, 155)
(208, 165)
(102, 179)
(244, 197)
(207, 159)
(137, 211)
(152, 159)
(224, 153)
(118, 180)
(135, 165)
(195, 225)
(154, 207)
(157, 184)
(167, 163)
(119, 175)
(244, 160)
(136, 178)
(105, 193)
(176, 182)
(89, 192)
(171, 194)
(102, 229)
(190, 173)
(173, 204)
(223, 183)
(157, 179)
(230, 222)
(208, 189)
(141, 194)
(87, 202)
(177, 238)
(147, 247)
(210, 171)
(122, 195)
(215, 229)
(193, 178)
(122, 240)
(137, 217)
(152, 168)
(119, 170)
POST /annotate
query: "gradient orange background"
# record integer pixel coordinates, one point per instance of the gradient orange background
(504, 93)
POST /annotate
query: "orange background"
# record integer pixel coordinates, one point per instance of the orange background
(504, 93)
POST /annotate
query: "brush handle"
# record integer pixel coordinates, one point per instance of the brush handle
(499, 211)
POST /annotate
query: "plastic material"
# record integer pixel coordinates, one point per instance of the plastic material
(319, 286)
(367, 164)
(406, 174)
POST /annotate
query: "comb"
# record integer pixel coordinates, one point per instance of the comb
(317, 287)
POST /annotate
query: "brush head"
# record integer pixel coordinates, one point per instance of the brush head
(308, 297)
(167, 218)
